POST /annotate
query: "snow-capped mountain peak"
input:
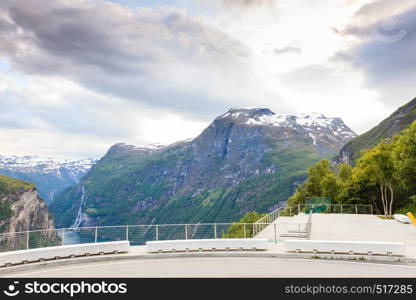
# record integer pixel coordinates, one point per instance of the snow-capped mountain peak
(325, 133)
(46, 163)
(50, 175)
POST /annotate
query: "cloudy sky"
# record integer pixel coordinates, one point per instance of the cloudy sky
(77, 76)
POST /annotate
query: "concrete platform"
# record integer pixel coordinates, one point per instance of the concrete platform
(352, 227)
(361, 228)
(226, 267)
(324, 226)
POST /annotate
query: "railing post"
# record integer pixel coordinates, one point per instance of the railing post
(356, 209)
(371, 209)
(96, 234)
(244, 230)
(254, 231)
(290, 211)
(127, 232)
(275, 234)
(341, 208)
(27, 240)
(298, 208)
(157, 232)
(63, 236)
(215, 230)
(186, 231)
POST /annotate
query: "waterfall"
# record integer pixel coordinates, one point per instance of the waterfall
(78, 219)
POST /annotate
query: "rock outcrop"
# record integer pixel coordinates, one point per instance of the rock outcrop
(21, 207)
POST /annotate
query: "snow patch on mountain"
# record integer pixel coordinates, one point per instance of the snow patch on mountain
(50, 175)
(326, 134)
(310, 122)
(45, 163)
(154, 146)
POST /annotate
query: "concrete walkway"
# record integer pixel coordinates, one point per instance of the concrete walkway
(350, 227)
(224, 267)
(324, 227)
(275, 251)
(361, 228)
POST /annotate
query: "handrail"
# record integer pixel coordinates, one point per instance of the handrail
(298, 207)
(267, 219)
(139, 233)
(272, 216)
(122, 226)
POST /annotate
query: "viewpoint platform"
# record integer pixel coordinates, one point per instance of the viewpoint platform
(273, 260)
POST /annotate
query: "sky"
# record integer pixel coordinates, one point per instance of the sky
(77, 76)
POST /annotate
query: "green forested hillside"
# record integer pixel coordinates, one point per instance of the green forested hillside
(134, 189)
(384, 176)
(399, 120)
(10, 185)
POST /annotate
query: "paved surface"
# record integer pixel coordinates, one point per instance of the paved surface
(274, 262)
(224, 267)
(361, 228)
(351, 227)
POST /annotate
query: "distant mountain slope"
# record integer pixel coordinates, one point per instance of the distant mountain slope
(399, 120)
(21, 208)
(247, 159)
(51, 176)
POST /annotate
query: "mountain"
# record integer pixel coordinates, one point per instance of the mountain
(51, 176)
(401, 119)
(247, 159)
(21, 208)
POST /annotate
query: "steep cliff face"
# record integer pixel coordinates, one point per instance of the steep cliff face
(247, 159)
(399, 120)
(21, 208)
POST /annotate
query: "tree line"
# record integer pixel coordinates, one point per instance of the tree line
(384, 176)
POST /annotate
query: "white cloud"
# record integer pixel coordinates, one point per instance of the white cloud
(93, 73)
(168, 129)
(56, 116)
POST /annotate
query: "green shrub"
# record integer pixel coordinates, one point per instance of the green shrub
(5, 210)
(241, 229)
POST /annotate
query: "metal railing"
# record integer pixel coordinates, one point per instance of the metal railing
(136, 234)
(139, 234)
(284, 230)
(334, 208)
(263, 222)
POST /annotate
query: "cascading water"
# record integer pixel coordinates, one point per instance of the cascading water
(78, 219)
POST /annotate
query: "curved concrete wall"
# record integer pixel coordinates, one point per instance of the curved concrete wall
(207, 244)
(21, 256)
(359, 247)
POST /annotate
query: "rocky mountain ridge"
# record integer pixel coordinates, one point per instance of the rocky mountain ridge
(401, 119)
(21, 208)
(247, 159)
